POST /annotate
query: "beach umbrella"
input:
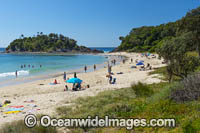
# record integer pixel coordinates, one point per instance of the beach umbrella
(74, 80)
(140, 63)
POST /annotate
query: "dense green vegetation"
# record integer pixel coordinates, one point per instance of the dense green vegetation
(46, 43)
(148, 38)
(19, 127)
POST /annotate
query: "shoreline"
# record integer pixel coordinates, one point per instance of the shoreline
(48, 97)
(53, 74)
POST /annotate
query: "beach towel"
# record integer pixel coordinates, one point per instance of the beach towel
(15, 109)
(11, 112)
(5, 105)
(133, 67)
(120, 73)
(20, 106)
(140, 61)
(30, 101)
(32, 105)
(32, 110)
(52, 84)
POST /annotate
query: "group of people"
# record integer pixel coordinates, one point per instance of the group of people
(24, 66)
(111, 79)
(76, 86)
(29, 66)
(85, 68)
(148, 67)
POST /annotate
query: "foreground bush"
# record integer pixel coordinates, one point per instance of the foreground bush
(19, 127)
(141, 89)
(187, 90)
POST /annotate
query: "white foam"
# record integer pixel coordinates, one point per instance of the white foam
(19, 73)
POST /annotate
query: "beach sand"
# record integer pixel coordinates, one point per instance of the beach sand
(48, 97)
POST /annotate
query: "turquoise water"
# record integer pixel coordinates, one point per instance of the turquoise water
(49, 64)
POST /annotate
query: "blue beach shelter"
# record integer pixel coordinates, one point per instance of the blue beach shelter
(140, 63)
(74, 80)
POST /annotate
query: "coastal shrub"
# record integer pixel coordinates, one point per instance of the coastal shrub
(19, 127)
(112, 101)
(189, 128)
(141, 89)
(187, 90)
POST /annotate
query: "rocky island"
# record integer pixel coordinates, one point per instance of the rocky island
(51, 43)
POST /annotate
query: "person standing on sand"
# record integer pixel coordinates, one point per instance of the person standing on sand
(85, 68)
(16, 73)
(64, 76)
(123, 61)
(114, 61)
(109, 70)
(75, 75)
(131, 60)
(94, 67)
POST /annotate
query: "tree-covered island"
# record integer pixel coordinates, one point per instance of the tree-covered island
(47, 43)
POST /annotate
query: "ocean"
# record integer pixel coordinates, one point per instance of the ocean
(105, 49)
(34, 64)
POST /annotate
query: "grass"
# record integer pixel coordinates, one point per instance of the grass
(141, 90)
(161, 71)
(19, 127)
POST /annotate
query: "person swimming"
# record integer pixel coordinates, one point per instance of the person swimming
(85, 68)
(16, 73)
(94, 67)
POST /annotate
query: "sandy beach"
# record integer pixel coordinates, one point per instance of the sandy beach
(39, 97)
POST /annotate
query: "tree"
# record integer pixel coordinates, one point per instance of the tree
(191, 24)
(22, 36)
(179, 63)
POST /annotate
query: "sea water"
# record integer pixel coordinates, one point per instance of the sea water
(35, 64)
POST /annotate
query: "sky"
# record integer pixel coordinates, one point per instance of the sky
(93, 23)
